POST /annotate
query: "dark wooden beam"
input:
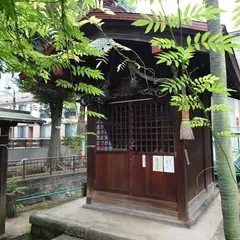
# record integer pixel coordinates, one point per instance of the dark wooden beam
(181, 173)
(4, 137)
(91, 157)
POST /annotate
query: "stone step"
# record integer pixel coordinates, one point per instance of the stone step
(66, 237)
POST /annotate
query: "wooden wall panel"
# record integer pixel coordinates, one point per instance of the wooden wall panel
(112, 171)
(138, 176)
(196, 158)
(101, 171)
(161, 185)
(118, 172)
(200, 156)
(151, 184)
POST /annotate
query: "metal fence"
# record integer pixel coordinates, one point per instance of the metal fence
(32, 168)
(29, 142)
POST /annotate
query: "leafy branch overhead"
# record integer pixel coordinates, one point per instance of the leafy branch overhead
(178, 54)
(159, 21)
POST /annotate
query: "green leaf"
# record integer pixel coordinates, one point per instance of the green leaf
(189, 40)
(155, 15)
(205, 36)
(229, 49)
(189, 20)
(156, 27)
(197, 37)
(205, 45)
(236, 9)
(237, 24)
(161, 15)
(193, 9)
(236, 16)
(163, 26)
(197, 46)
(186, 11)
(140, 23)
(146, 16)
(149, 27)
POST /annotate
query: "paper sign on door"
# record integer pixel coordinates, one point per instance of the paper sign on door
(143, 161)
(169, 164)
(158, 163)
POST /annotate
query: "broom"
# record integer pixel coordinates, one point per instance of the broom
(186, 132)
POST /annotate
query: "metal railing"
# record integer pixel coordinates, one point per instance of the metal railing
(33, 168)
(29, 142)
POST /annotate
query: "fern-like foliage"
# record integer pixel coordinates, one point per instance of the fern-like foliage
(236, 14)
(158, 21)
(94, 114)
(186, 91)
(199, 122)
(86, 71)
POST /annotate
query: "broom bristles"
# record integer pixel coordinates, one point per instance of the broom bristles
(186, 132)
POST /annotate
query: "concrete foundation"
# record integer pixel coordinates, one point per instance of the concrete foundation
(3, 237)
(71, 219)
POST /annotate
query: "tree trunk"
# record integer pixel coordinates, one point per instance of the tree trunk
(54, 145)
(221, 122)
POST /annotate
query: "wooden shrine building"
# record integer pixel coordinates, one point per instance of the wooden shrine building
(136, 162)
(9, 118)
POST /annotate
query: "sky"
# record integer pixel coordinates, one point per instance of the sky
(170, 6)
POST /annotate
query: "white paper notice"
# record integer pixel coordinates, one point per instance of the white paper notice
(158, 163)
(143, 160)
(169, 164)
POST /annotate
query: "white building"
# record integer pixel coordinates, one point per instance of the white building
(26, 102)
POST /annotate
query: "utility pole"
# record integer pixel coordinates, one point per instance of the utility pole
(14, 96)
(14, 103)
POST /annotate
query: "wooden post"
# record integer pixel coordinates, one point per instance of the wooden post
(180, 170)
(73, 164)
(51, 166)
(24, 169)
(91, 156)
(3, 176)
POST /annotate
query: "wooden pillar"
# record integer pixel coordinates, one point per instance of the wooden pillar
(207, 146)
(4, 137)
(181, 171)
(91, 157)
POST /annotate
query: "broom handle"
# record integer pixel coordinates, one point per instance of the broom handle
(185, 113)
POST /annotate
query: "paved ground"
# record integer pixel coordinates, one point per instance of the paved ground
(71, 216)
(19, 226)
(219, 234)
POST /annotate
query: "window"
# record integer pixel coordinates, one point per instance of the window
(70, 130)
(45, 131)
(21, 131)
(23, 107)
(44, 115)
(70, 113)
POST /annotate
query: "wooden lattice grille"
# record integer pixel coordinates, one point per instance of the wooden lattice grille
(113, 133)
(137, 126)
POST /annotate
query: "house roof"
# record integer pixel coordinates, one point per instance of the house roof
(124, 16)
(16, 116)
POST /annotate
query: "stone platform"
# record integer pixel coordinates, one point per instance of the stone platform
(74, 220)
